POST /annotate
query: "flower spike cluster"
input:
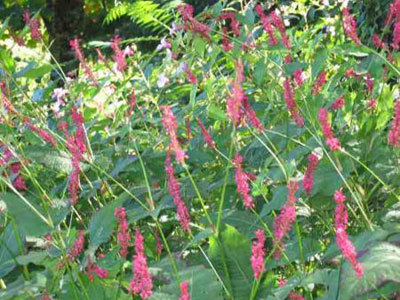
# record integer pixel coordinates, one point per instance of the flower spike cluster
(173, 187)
(206, 135)
(242, 184)
(342, 240)
(74, 44)
(308, 181)
(394, 133)
(331, 140)
(123, 236)
(291, 103)
(349, 25)
(141, 283)
(34, 25)
(119, 56)
(171, 127)
(267, 25)
(283, 223)
(184, 291)
(258, 254)
(191, 24)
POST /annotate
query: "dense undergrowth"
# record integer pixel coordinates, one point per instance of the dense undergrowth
(242, 159)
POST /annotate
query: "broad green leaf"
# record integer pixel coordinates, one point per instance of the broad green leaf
(34, 257)
(102, 223)
(216, 113)
(236, 249)
(381, 265)
(9, 249)
(199, 46)
(202, 284)
(259, 71)
(54, 159)
(29, 221)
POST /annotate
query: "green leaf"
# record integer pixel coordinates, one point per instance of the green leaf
(102, 223)
(381, 265)
(9, 250)
(319, 62)
(199, 46)
(31, 72)
(34, 257)
(54, 159)
(236, 249)
(259, 71)
(202, 284)
(26, 219)
(216, 113)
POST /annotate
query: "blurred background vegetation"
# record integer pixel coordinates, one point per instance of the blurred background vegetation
(144, 21)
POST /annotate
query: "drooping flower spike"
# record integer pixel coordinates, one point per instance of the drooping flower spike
(242, 185)
(349, 25)
(308, 180)
(331, 140)
(344, 244)
(258, 254)
(123, 236)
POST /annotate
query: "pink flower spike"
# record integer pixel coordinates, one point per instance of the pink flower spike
(242, 184)
(344, 244)
(123, 236)
(278, 23)
(184, 291)
(235, 102)
(319, 83)
(77, 247)
(119, 56)
(207, 136)
(308, 181)
(267, 25)
(291, 103)
(283, 223)
(174, 190)
(251, 115)
(258, 254)
(339, 103)
(159, 246)
(394, 133)
(299, 77)
(226, 45)
(74, 44)
(331, 141)
(141, 283)
(191, 24)
(376, 40)
(369, 83)
(349, 25)
(34, 25)
(132, 102)
(171, 127)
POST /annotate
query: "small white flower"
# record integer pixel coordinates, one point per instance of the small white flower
(162, 80)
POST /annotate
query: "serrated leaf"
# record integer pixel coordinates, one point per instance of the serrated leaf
(9, 250)
(54, 159)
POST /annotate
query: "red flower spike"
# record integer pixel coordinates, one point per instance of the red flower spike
(394, 133)
(171, 127)
(207, 137)
(184, 291)
(242, 184)
(34, 25)
(123, 236)
(283, 223)
(77, 247)
(141, 283)
(342, 240)
(236, 100)
(74, 44)
(291, 103)
(278, 23)
(331, 140)
(267, 25)
(226, 45)
(349, 25)
(308, 181)
(191, 24)
(319, 83)
(119, 56)
(174, 190)
(258, 254)
(339, 103)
